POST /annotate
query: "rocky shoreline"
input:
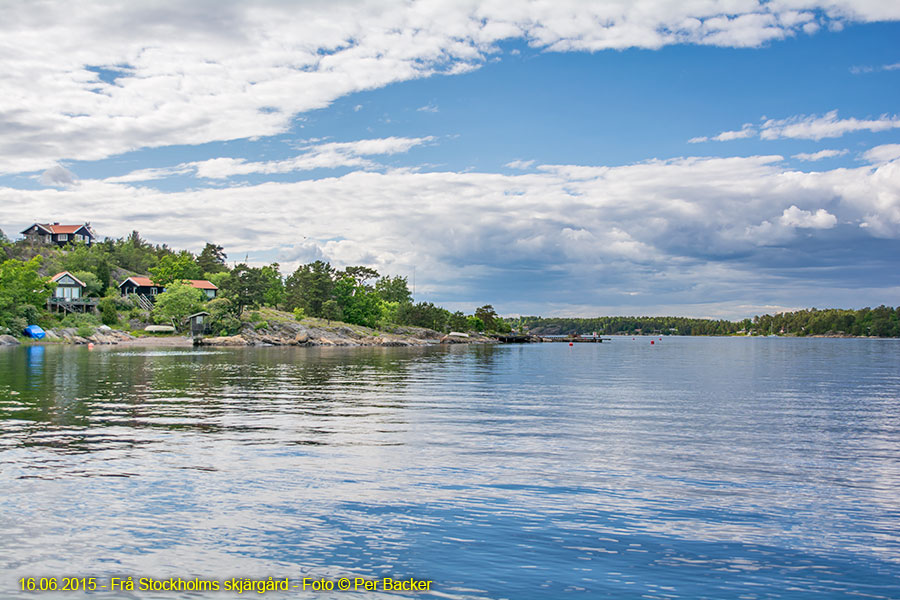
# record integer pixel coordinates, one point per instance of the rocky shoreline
(315, 332)
(310, 332)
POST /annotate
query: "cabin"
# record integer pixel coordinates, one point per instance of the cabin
(144, 286)
(68, 287)
(54, 233)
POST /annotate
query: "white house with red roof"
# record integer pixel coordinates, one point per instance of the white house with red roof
(54, 233)
(144, 286)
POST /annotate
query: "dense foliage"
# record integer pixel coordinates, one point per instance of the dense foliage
(883, 321)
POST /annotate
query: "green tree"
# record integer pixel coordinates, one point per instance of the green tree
(488, 316)
(108, 313)
(175, 267)
(92, 285)
(360, 275)
(310, 287)
(20, 284)
(331, 310)
(176, 303)
(212, 259)
(359, 304)
(245, 288)
(4, 241)
(221, 317)
(274, 294)
(393, 289)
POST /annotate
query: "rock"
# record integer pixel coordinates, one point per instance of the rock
(51, 335)
(159, 329)
(301, 338)
(225, 340)
(104, 328)
(8, 340)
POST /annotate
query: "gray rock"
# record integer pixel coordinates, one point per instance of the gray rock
(8, 340)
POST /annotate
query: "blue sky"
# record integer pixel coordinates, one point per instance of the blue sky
(718, 159)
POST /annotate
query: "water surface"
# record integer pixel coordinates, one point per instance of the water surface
(692, 468)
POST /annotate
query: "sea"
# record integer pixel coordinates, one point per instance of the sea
(658, 468)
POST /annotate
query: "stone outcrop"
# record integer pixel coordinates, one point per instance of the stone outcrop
(8, 340)
(315, 333)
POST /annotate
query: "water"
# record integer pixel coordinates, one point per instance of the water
(693, 468)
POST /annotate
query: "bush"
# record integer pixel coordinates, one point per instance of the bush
(17, 324)
(85, 331)
(136, 313)
(108, 313)
(221, 317)
(299, 314)
(255, 317)
(80, 320)
(30, 314)
(261, 325)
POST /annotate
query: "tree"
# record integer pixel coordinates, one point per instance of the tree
(178, 302)
(361, 275)
(488, 316)
(359, 304)
(175, 267)
(273, 294)
(4, 241)
(21, 285)
(331, 310)
(245, 288)
(310, 287)
(212, 259)
(92, 285)
(393, 289)
(108, 313)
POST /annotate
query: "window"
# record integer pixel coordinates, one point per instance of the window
(63, 237)
(210, 293)
(79, 237)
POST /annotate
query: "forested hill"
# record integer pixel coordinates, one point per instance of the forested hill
(882, 321)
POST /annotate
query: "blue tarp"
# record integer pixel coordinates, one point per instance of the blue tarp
(33, 331)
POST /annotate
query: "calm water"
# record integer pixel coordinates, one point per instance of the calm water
(693, 468)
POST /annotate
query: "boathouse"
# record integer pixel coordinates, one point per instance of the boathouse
(54, 233)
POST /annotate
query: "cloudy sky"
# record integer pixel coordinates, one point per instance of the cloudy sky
(691, 157)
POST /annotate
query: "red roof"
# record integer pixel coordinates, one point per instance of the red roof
(200, 284)
(61, 273)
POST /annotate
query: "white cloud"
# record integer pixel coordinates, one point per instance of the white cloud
(672, 228)
(318, 156)
(795, 217)
(814, 127)
(806, 127)
(176, 73)
(431, 108)
(871, 69)
(821, 154)
(520, 164)
(882, 154)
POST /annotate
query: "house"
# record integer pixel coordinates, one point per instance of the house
(68, 287)
(54, 233)
(144, 286)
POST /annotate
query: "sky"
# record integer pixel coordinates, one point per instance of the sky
(705, 158)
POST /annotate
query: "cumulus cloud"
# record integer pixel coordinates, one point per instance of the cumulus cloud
(176, 73)
(689, 229)
(820, 155)
(882, 154)
(795, 217)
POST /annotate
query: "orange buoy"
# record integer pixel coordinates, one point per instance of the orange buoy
(90, 345)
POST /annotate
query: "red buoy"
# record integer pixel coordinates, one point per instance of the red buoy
(571, 344)
(652, 342)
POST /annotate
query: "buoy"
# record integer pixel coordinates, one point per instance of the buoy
(90, 345)
(571, 344)
(660, 339)
(652, 342)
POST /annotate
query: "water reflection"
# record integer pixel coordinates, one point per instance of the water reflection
(703, 468)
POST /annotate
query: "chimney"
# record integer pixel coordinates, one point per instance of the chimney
(56, 223)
